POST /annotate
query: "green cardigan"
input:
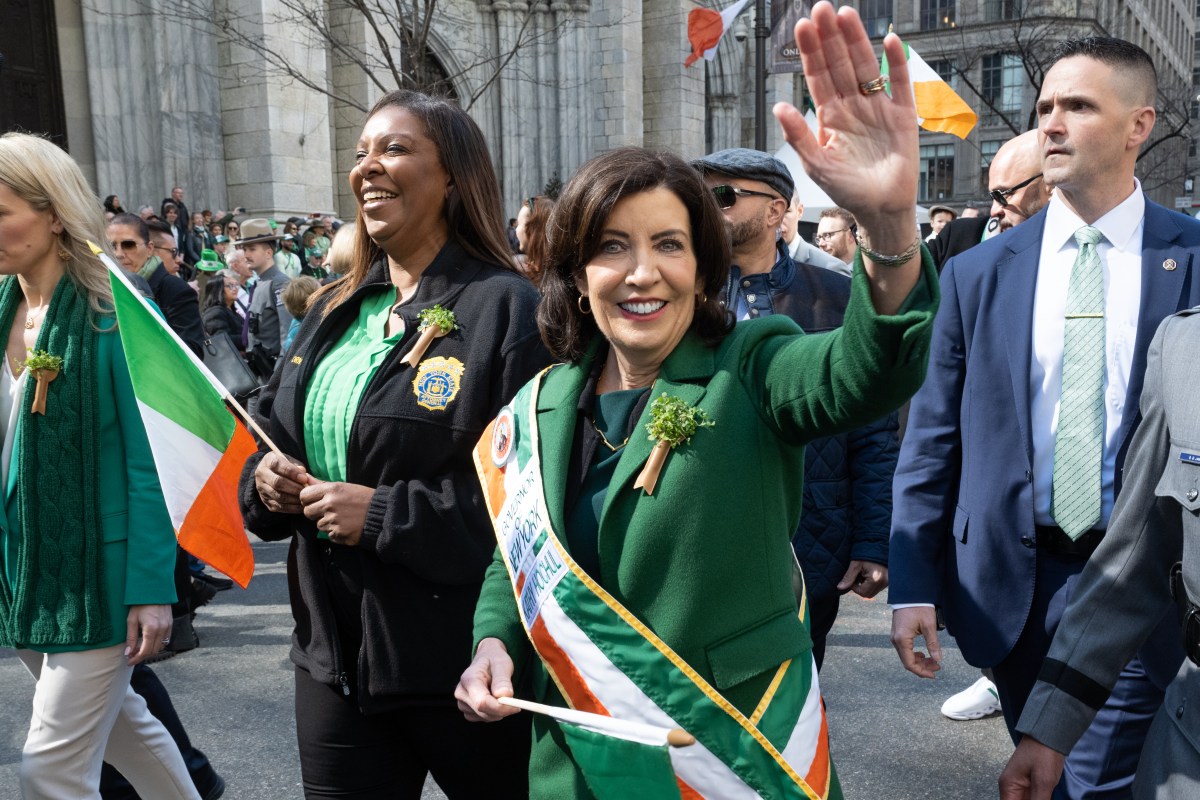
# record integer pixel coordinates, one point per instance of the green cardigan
(706, 561)
(133, 514)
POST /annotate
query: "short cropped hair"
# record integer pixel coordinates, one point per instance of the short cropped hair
(1126, 57)
(574, 237)
(840, 213)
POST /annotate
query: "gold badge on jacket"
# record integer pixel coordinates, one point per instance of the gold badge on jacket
(437, 382)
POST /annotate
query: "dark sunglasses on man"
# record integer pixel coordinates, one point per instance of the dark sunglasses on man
(727, 195)
(1001, 195)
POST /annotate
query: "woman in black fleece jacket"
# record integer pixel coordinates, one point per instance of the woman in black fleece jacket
(390, 538)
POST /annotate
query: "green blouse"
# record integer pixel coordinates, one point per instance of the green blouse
(612, 418)
(338, 382)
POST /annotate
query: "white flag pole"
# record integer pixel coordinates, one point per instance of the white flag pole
(622, 729)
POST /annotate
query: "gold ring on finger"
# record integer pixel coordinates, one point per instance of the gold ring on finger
(871, 87)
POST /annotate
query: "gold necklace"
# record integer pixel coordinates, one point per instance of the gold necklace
(603, 438)
(30, 321)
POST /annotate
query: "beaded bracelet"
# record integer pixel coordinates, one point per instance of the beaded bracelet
(888, 261)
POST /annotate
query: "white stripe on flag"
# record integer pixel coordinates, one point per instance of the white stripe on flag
(622, 698)
(191, 461)
(801, 747)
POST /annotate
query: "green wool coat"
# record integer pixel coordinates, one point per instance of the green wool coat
(137, 536)
(706, 561)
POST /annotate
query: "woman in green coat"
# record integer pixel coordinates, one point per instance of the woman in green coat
(86, 545)
(644, 492)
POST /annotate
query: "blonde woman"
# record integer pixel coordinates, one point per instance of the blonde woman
(82, 496)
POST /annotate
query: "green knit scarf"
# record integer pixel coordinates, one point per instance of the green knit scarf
(58, 598)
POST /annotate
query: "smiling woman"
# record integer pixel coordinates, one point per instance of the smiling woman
(391, 537)
(653, 575)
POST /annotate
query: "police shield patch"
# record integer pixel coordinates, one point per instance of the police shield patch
(437, 382)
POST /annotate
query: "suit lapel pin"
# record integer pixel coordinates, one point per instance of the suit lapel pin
(1169, 265)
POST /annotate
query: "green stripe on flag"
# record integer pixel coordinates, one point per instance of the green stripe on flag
(618, 769)
(163, 376)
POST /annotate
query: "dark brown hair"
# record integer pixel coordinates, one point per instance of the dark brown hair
(574, 238)
(540, 208)
(474, 216)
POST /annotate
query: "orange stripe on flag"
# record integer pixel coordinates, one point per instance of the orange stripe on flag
(818, 774)
(563, 670)
(705, 27)
(686, 792)
(213, 530)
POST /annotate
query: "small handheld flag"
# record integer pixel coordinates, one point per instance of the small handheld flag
(199, 447)
(939, 108)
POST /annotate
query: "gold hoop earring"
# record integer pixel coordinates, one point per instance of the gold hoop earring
(701, 299)
(579, 302)
(64, 254)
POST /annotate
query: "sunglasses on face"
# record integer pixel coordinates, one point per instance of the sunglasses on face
(125, 244)
(172, 250)
(1001, 195)
(727, 195)
(530, 202)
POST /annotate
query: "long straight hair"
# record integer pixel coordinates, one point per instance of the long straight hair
(43, 175)
(474, 215)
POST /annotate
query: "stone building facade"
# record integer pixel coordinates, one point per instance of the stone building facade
(154, 98)
(148, 95)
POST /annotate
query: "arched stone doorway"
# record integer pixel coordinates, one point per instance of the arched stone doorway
(31, 96)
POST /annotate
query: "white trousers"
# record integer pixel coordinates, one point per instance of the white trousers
(85, 713)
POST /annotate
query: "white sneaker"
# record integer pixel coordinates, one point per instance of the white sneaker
(975, 702)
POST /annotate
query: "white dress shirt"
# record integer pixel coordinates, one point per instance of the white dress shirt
(1121, 258)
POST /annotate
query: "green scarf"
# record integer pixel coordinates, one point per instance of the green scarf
(149, 267)
(58, 598)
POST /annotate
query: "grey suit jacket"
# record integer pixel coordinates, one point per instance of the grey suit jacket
(1124, 590)
(267, 306)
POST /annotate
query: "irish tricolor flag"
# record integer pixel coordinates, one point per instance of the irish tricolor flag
(939, 108)
(705, 29)
(199, 446)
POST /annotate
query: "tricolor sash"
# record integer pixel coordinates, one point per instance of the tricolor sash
(606, 661)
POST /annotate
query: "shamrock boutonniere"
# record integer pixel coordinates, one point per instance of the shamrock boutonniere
(435, 322)
(44, 368)
(672, 422)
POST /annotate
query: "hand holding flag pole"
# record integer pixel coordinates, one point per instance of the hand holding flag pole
(622, 729)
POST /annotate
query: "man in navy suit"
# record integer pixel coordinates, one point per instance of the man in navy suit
(983, 526)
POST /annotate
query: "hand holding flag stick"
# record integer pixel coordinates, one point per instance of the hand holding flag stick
(622, 729)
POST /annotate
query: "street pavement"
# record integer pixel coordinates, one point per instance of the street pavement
(234, 695)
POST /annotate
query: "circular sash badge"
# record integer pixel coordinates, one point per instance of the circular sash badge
(502, 437)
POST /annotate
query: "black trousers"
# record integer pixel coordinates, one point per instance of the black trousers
(347, 755)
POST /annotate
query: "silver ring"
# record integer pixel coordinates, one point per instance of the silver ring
(871, 87)
(166, 641)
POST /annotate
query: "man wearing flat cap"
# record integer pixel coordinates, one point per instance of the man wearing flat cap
(268, 320)
(842, 542)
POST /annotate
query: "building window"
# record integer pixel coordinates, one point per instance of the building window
(987, 151)
(944, 70)
(995, 10)
(876, 16)
(1003, 82)
(937, 14)
(937, 172)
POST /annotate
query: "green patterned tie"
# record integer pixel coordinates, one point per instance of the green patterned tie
(1079, 443)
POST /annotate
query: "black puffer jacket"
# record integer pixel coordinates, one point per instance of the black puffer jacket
(848, 477)
(407, 592)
